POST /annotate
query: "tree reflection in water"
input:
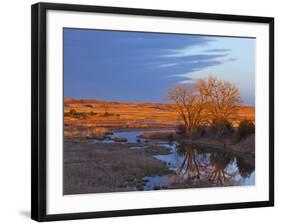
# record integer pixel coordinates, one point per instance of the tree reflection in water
(219, 174)
(193, 164)
(245, 166)
(212, 167)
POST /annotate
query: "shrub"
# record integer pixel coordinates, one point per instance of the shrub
(92, 113)
(245, 128)
(106, 114)
(72, 112)
(180, 129)
(222, 127)
(201, 131)
(229, 127)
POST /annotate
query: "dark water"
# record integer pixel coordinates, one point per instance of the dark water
(203, 167)
(197, 167)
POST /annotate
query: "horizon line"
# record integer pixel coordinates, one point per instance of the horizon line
(110, 101)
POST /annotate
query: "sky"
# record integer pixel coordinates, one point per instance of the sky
(140, 67)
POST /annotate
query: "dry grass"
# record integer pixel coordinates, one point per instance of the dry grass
(100, 167)
(121, 115)
(159, 135)
(99, 131)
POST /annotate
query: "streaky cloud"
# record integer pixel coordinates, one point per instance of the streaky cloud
(167, 65)
(187, 81)
(217, 50)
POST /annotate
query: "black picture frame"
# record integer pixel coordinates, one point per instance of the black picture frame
(39, 122)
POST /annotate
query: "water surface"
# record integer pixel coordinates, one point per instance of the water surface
(192, 166)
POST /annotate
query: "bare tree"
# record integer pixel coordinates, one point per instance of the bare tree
(223, 100)
(210, 101)
(190, 105)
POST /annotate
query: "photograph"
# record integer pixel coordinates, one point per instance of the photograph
(147, 111)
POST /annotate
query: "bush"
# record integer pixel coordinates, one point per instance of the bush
(180, 129)
(202, 131)
(106, 114)
(89, 105)
(72, 112)
(229, 127)
(222, 128)
(92, 113)
(245, 129)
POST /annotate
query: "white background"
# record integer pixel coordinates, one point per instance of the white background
(15, 110)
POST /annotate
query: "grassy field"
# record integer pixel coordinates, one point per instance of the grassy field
(82, 115)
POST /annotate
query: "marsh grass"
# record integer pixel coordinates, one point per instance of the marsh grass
(99, 167)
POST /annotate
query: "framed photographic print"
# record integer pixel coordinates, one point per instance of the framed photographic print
(139, 111)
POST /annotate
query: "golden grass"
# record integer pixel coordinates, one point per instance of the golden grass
(91, 114)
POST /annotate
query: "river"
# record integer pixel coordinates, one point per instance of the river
(193, 166)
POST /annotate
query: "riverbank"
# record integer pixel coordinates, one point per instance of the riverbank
(246, 145)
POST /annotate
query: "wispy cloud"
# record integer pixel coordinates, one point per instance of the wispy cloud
(187, 81)
(191, 59)
(204, 49)
(217, 50)
(167, 65)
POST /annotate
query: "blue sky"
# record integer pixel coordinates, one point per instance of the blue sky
(140, 67)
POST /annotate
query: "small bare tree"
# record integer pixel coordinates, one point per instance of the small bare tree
(190, 106)
(105, 107)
